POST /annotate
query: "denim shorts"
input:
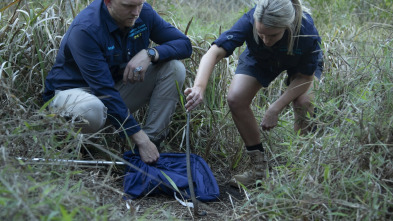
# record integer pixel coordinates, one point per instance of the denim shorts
(265, 75)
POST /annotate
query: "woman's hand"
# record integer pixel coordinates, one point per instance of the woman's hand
(194, 97)
(208, 61)
(270, 119)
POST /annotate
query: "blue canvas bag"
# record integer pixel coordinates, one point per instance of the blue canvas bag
(150, 179)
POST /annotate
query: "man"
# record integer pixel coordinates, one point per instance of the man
(104, 69)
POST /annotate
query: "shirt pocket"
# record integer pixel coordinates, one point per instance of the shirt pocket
(289, 61)
(113, 57)
(261, 53)
(115, 62)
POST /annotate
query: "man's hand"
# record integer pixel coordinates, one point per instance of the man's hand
(136, 68)
(270, 119)
(148, 152)
(147, 149)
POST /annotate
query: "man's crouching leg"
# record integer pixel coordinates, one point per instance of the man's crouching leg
(86, 110)
(170, 77)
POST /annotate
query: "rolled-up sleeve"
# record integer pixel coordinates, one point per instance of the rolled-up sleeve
(310, 60)
(237, 35)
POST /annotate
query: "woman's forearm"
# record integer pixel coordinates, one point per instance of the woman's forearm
(208, 61)
(298, 86)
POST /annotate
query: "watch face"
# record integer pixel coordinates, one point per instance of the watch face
(152, 52)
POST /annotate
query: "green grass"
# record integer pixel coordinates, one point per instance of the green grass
(344, 171)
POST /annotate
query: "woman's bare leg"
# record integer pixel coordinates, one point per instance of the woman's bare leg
(241, 93)
(301, 106)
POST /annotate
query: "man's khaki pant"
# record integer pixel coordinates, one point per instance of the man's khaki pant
(158, 90)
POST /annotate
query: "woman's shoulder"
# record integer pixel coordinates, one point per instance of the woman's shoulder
(308, 37)
(308, 26)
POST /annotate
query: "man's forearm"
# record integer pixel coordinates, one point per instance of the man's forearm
(176, 49)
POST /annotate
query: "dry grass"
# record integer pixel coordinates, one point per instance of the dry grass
(343, 171)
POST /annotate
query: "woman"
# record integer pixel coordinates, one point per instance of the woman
(280, 36)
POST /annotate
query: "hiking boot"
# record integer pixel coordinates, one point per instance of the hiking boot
(257, 171)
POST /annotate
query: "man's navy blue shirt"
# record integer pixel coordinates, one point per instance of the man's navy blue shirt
(270, 61)
(94, 49)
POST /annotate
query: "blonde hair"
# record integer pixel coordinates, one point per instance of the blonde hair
(286, 14)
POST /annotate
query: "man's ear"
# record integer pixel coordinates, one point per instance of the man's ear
(107, 2)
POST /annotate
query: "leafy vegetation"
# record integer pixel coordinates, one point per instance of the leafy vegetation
(342, 171)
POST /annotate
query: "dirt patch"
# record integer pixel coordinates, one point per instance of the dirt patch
(164, 206)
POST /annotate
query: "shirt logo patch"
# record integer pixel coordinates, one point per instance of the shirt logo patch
(111, 48)
(137, 32)
(297, 51)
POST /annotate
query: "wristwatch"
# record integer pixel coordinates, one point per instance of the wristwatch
(151, 53)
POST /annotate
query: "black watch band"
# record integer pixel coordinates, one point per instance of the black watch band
(151, 53)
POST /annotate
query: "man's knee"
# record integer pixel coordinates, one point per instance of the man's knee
(95, 113)
(179, 71)
(171, 77)
(86, 110)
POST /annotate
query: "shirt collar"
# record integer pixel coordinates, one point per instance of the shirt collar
(110, 23)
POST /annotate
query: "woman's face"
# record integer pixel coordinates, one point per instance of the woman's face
(269, 35)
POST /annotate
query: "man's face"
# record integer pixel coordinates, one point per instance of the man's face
(125, 12)
(269, 35)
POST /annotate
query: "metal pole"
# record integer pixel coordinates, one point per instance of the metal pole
(62, 161)
(189, 174)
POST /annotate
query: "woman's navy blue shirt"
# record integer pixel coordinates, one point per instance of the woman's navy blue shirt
(271, 61)
(94, 51)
